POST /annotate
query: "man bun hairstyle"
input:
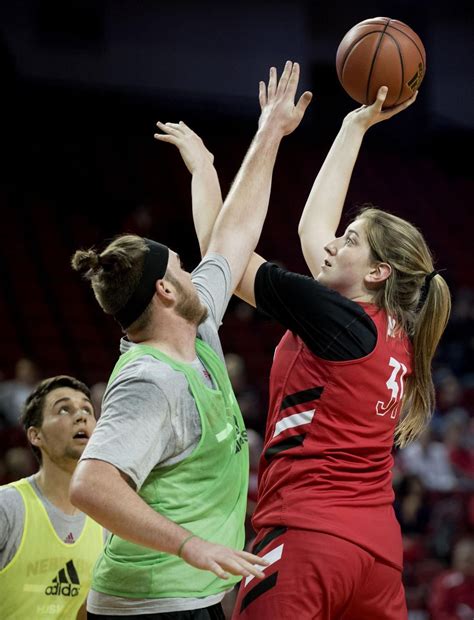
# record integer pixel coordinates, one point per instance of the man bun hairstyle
(112, 261)
(123, 277)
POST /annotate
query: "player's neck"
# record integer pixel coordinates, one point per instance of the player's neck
(180, 349)
(363, 298)
(54, 482)
(176, 338)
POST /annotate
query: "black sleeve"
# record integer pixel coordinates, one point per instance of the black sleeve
(332, 326)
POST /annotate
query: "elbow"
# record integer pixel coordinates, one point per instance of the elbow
(82, 491)
(78, 495)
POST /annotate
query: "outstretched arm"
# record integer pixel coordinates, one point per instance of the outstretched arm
(322, 212)
(205, 187)
(206, 195)
(239, 224)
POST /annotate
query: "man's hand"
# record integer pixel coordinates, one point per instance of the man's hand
(221, 560)
(368, 115)
(190, 145)
(205, 187)
(277, 101)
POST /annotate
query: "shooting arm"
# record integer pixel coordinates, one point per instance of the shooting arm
(322, 212)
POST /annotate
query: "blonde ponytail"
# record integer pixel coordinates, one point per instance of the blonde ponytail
(419, 400)
(420, 302)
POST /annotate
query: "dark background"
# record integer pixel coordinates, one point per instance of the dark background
(85, 82)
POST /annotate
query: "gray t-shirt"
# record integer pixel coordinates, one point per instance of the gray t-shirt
(12, 517)
(149, 419)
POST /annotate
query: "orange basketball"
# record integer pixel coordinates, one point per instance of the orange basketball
(381, 52)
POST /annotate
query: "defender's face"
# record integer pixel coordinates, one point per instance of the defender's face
(188, 304)
(178, 271)
(68, 422)
(348, 261)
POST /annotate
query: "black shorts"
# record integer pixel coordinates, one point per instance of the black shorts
(214, 612)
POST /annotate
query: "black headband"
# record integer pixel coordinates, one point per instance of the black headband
(154, 268)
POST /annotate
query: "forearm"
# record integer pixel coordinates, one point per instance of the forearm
(207, 202)
(240, 221)
(98, 489)
(322, 212)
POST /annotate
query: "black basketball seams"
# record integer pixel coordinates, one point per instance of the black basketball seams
(364, 64)
(382, 32)
(349, 50)
(374, 58)
(402, 81)
(412, 40)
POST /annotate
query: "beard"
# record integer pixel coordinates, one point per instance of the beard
(189, 306)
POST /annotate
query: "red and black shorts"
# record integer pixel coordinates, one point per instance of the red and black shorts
(316, 576)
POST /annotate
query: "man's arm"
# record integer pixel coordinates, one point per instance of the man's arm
(206, 195)
(99, 489)
(322, 212)
(239, 223)
(205, 187)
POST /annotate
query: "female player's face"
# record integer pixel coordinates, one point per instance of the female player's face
(348, 262)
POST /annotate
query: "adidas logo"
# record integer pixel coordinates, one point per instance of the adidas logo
(241, 437)
(69, 539)
(66, 583)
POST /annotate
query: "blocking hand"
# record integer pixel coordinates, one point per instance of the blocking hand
(221, 560)
(277, 100)
(189, 144)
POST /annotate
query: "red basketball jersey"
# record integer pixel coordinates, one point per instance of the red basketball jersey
(327, 459)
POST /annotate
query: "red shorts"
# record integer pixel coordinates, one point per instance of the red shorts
(315, 576)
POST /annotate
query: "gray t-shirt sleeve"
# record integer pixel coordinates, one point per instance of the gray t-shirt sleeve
(12, 516)
(212, 279)
(135, 427)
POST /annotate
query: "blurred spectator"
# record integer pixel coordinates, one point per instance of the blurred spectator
(449, 392)
(429, 460)
(459, 440)
(448, 522)
(450, 399)
(18, 462)
(14, 393)
(413, 513)
(411, 506)
(246, 394)
(452, 595)
(459, 336)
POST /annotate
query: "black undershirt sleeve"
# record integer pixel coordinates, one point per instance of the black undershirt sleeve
(332, 326)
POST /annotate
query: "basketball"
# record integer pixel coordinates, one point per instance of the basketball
(381, 52)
